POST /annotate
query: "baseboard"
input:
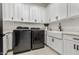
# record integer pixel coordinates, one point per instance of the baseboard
(10, 50)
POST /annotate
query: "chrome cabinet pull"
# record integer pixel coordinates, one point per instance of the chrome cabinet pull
(77, 47)
(74, 46)
(76, 38)
(12, 18)
(22, 19)
(52, 39)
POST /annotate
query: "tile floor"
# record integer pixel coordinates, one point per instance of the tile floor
(42, 51)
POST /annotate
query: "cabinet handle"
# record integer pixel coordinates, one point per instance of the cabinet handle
(22, 19)
(52, 40)
(12, 18)
(74, 46)
(35, 20)
(77, 47)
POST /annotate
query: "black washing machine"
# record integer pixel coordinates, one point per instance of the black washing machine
(21, 40)
(37, 37)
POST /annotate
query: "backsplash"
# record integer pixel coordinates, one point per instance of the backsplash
(9, 26)
(70, 25)
(54, 26)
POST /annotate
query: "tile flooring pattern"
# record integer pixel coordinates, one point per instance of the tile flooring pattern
(42, 51)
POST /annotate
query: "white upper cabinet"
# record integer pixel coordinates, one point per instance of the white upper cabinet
(21, 12)
(74, 9)
(50, 13)
(37, 13)
(8, 11)
(25, 11)
(33, 13)
(18, 12)
(61, 10)
(56, 10)
(43, 14)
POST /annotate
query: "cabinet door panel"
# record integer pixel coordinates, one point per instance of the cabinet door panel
(43, 14)
(68, 47)
(58, 44)
(77, 49)
(61, 10)
(51, 12)
(18, 12)
(56, 9)
(33, 13)
(8, 11)
(74, 9)
(37, 13)
(25, 12)
(5, 11)
(50, 43)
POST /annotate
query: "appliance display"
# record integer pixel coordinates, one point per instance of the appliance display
(37, 37)
(1, 31)
(21, 40)
(26, 40)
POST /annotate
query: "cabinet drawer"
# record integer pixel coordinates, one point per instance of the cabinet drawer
(58, 35)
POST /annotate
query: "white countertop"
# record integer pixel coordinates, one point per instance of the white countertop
(64, 32)
(71, 33)
(55, 31)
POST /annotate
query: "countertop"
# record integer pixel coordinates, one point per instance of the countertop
(65, 33)
(71, 33)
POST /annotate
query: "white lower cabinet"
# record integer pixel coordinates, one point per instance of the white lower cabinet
(71, 47)
(56, 44)
(7, 42)
(76, 48)
(67, 45)
(50, 41)
(10, 41)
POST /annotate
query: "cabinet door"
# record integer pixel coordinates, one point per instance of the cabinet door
(39, 13)
(61, 10)
(33, 13)
(25, 12)
(77, 48)
(69, 47)
(5, 44)
(10, 41)
(18, 12)
(51, 12)
(42, 14)
(74, 9)
(58, 44)
(50, 42)
(8, 11)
